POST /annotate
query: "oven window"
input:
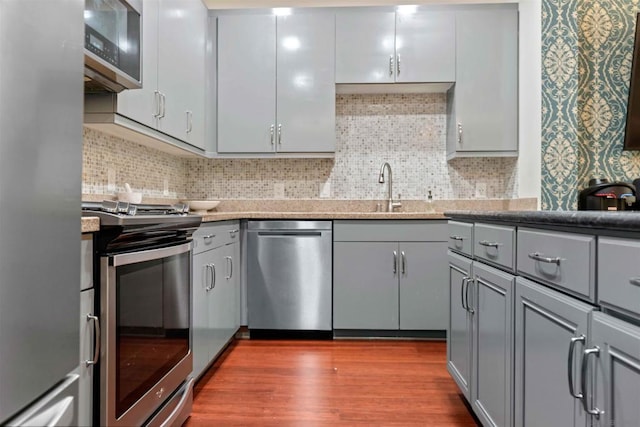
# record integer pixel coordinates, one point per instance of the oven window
(152, 319)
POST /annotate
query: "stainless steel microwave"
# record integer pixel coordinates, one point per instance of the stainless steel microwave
(112, 45)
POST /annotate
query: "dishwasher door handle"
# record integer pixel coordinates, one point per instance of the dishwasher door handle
(290, 233)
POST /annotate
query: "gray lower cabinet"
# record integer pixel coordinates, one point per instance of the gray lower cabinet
(550, 334)
(215, 293)
(613, 358)
(459, 332)
(87, 346)
(389, 285)
(482, 116)
(492, 349)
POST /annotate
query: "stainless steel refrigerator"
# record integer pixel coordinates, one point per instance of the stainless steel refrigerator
(41, 98)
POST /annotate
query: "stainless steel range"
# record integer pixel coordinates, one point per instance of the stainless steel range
(144, 256)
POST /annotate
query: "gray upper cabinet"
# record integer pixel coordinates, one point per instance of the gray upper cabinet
(482, 117)
(276, 91)
(614, 360)
(550, 335)
(172, 97)
(385, 47)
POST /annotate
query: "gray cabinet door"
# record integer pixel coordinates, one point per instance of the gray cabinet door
(230, 292)
(219, 303)
(141, 104)
(459, 331)
(424, 297)
(365, 47)
(365, 285)
(306, 83)
(617, 371)
(546, 322)
(246, 83)
(181, 38)
(201, 282)
(485, 95)
(425, 47)
(87, 346)
(492, 360)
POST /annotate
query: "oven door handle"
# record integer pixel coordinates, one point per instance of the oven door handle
(150, 255)
(184, 401)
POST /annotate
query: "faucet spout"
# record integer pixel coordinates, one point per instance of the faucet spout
(381, 179)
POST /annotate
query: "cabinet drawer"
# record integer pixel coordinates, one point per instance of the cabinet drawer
(461, 237)
(389, 231)
(618, 274)
(86, 262)
(213, 235)
(563, 260)
(495, 244)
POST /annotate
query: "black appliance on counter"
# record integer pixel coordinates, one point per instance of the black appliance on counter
(602, 195)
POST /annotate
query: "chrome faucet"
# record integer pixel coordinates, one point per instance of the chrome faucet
(391, 205)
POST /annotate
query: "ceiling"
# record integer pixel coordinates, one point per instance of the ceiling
(239, 4)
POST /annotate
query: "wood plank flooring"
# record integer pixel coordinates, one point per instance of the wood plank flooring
(313, 383)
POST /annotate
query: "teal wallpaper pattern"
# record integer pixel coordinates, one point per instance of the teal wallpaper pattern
(587, 48)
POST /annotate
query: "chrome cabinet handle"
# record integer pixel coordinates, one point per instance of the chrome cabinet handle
(233, 232)
(459, 133)
(163, 102)
(231, 263)
(156, 104)
(208, 278)
(189, 121)
(279, 134)
(209, 236)
(635, 281)
(398, 63)
(228, 258)
(97, 339)
(462, 287)
(489, 244)
(583, 381)
(272, 130)
(466, 297)
(213, 282)
(404, 262)
(391, 65)
(572, 348)
(395, 262)
(538, 257)
(457, 238)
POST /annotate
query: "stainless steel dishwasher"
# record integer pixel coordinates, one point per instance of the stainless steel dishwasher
(289, 275)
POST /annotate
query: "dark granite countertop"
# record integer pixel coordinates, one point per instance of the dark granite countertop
(601, 220)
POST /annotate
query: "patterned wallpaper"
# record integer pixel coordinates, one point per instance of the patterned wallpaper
(406, 130)
(587, 48)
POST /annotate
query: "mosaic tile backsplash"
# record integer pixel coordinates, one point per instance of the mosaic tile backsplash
(587, 48)
(406, 130)
(145, 169)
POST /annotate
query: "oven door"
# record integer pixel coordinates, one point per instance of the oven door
(145, 301)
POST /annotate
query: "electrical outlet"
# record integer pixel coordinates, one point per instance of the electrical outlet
(325, 190)
(165, 190)
(481, 190)
(111, 179)
(278, 190)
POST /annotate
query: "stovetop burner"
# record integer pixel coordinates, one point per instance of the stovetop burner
(127, 226)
